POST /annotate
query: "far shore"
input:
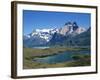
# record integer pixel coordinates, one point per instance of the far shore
(49, 51)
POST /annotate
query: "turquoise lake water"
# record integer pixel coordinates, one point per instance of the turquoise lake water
(61, 57)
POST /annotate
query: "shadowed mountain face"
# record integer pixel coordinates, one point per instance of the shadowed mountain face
(69, 35)
(83, 39)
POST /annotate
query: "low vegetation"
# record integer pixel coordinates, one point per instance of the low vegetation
(30, 54)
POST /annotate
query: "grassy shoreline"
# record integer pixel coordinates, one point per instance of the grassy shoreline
(49, 51)
(30, 53)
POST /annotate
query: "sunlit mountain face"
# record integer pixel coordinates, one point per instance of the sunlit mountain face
(69, 34)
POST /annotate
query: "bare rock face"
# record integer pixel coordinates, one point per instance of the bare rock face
(78, 31)
(67, 27)
(71, 28)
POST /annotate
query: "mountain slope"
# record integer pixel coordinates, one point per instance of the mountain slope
(69, 35)
(38, 37)
(83, 39)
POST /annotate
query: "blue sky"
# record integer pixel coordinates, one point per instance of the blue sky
(46, 19)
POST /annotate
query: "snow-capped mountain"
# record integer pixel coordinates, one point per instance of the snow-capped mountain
(52, 36)
(45, 34)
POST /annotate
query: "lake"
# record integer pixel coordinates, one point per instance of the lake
(60, 57)
(41, 47)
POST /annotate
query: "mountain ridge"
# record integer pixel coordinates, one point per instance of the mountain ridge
(55, 36)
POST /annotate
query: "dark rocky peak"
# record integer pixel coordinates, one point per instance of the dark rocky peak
(75, 26)
(89, 29)
(72, 25)
(68, 23)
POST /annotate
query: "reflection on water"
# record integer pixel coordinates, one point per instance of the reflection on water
(61, 57)
(43, 47)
